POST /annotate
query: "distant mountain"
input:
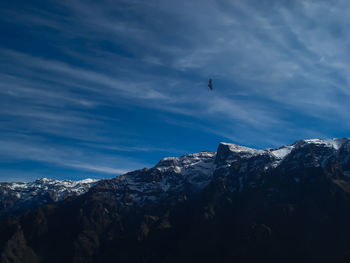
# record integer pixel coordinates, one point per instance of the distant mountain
(290, 204)
(17, 198)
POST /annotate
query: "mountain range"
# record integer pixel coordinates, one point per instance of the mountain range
(239, 204)
(17, 198)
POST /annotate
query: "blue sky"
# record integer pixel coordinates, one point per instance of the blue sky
(98, 88)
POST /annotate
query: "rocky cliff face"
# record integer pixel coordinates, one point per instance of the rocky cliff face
(290, 204)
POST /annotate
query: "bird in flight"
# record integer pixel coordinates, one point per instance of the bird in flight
(210, 84)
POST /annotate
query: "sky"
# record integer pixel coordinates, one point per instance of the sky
(99, 88)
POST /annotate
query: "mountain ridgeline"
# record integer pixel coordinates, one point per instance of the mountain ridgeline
(290, 204)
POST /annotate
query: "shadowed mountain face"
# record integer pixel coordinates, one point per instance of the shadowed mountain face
(290, 204)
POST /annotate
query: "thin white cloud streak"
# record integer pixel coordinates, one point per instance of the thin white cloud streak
(20, 87)
(100, 169)
(13, 175)
(65, 156)
(88, 79)
(133, 148)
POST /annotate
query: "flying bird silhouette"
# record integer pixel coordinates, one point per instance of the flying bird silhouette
(210, 84)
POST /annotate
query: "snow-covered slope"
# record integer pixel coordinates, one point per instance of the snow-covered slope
(56, 189)
(172, 177)
(19, 197)
(320, 150)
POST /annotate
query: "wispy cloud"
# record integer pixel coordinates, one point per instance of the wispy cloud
(40, 150)
(122, 148)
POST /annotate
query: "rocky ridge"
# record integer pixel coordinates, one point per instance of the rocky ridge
(177, 177)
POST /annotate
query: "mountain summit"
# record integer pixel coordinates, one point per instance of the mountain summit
(239, 204)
